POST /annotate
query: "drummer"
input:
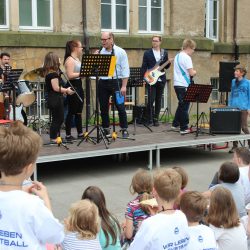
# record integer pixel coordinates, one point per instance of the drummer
(4, 64)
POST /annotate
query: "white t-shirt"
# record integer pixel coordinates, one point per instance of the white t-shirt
(26, 223)
(244, 180)
(72, 242)
(185, 62)
(230, 238)
(201, 238)
(162, 231)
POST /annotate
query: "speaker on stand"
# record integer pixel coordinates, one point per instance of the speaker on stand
(226, 75)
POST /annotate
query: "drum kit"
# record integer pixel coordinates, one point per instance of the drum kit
(26, 95)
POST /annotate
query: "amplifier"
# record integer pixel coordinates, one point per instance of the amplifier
(140, 114)
(225, 120)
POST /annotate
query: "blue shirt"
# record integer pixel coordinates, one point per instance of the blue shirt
(122, 66)
(240, 94)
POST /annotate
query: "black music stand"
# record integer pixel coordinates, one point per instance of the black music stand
(198, 93)
(136, 80)
(96, 65)
(12, 79)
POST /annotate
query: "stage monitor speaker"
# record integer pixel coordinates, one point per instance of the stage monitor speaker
(226, 75)
(225, 120)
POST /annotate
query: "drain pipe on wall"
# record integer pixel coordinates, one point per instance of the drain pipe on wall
(236, 46)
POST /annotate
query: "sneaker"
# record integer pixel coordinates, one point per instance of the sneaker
(70, 138)
(107, 132)
(125, 133)
(186, 131)
(175, 128)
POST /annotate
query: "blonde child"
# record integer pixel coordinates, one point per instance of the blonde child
(169, 228)
(141, 183)
(193, 204)
(224, 220)
(26, 219)
(82, 227)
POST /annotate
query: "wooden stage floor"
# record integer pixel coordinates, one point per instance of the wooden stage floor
(162, 137)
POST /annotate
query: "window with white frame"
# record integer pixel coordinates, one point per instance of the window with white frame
(215, 89)
(150, 16)
(35, 14)
(212, 19)
(115, 15)
(4, 14)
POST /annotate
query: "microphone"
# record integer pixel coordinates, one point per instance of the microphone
(191, 80)
(237, 81)
(100, 49)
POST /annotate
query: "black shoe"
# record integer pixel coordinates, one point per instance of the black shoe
(125, 133)
(70, 138)
(107, 132)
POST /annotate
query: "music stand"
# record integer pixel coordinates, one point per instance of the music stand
(12, 78)
(136, 80)
(97, 65)
(198, 93)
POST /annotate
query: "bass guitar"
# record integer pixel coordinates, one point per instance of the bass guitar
(151, 76)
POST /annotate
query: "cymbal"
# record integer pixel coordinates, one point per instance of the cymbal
(33, 74)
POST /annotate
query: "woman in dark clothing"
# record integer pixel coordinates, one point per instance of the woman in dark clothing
(72, 65)
(55, 93)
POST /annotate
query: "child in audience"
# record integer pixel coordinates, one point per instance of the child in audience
(193, 204)
(224, 220)
(184, 182)
(82, 227)
(169, 228)
(228, 176)
(141, 183)
(241, 157)
(109, 235)
(26, 217)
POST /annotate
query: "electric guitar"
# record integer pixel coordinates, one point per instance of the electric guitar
(19, 116)
(151, 76)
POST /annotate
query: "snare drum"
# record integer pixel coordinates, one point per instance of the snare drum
(25, 95)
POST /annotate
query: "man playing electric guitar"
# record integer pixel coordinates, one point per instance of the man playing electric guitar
(155, 60)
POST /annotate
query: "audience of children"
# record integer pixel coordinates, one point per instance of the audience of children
(82, 227)
(152, 219)
(26, 219)
(168, 229)
(224, 220)
(141, 183)
(193, 204)
(109, 235)
(228, 176)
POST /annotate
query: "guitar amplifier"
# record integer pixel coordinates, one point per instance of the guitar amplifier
(225, 120)
(140, 114)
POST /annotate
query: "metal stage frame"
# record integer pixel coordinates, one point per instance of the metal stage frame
(159, 139)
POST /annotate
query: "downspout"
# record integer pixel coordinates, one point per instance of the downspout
(86, 44)
(236, 46)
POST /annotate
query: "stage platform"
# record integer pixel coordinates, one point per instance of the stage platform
(162, 137)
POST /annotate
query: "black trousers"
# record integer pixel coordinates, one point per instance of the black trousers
(75, 107)
(154, 97)
(56, 107)
(107, 88)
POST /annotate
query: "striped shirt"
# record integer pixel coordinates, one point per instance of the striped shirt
(72, 242)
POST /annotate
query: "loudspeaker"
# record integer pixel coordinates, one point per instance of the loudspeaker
(226, 75)
(225, 120)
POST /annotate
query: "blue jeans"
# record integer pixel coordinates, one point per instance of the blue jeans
(181, 115)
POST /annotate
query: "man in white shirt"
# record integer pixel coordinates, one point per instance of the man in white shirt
(183, 72)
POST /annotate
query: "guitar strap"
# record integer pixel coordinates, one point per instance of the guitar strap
(182, 71)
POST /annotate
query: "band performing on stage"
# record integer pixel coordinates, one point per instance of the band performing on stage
(64, 94)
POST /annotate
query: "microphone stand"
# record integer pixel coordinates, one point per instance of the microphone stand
(68, 81)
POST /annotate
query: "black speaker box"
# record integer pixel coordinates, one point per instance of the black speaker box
(225, 120)
(226, 75)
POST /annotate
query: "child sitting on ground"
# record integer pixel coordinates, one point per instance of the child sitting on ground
(82, 227)
(141, 183)
(169, 228)
(184, 182)
(109, 235)
(224, 220)
(193, 204)
(26, 219)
